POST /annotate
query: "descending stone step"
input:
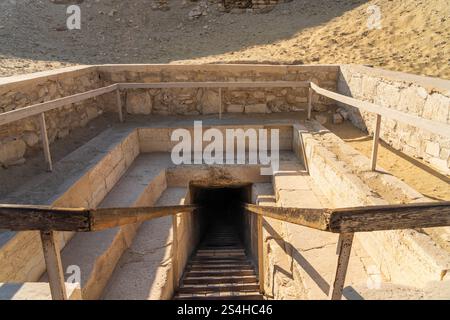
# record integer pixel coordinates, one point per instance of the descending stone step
(220, 269)
(250, 288)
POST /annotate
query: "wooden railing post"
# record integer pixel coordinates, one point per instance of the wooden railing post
(310, 93)
(376, 141)
(220, 103)
(260, 253)
(45, 143)
(175, 251)
(54, 266)
(344, 248)
(119, 104)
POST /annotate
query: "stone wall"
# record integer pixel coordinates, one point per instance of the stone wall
(428, 98)
(22, 137)
(19, 138)
(206, 101)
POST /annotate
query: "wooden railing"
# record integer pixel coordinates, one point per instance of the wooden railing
(39, 109)
(344, 221)
(47, 220)
(439, 128)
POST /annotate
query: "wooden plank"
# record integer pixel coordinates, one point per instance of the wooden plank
(344, 249)
(23, 218)
(310, 92)
(106, 218)
(312, 218)
(119, 105)
(390, 217)
(260, 254)
(376, 142)
(216, 84)
(45, 143)
(361, 219)
(36, 109)
(220, 103)
(436, 127)
(54, 266)
(175, 277)
(345, 220)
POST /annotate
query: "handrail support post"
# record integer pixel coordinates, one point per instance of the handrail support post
(344, 248)
(45, 143)
(53, 263)
(376, 142)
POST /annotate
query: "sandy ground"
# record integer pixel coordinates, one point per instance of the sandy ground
(412, 171)
(414, 35)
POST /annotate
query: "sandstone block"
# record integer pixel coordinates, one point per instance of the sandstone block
(139, 102)
(30, 138)
(321, 119)
(412, 100)
(210, 102)
(337, 118)
(437, 107)
(433, 149)
(235, 108)
(257, 108)
(11, 151)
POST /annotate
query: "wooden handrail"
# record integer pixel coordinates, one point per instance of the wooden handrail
(345, 221)
(36, 109)
(341, 220)
(362, 219)
(44, 218)
(436, 127)
(439, 128)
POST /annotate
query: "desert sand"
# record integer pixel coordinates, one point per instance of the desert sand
(414, 35)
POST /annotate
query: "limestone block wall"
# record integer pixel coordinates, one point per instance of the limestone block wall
(406, 257)
(19, 138)
(421, 96)
(21, 258)
(206, 101)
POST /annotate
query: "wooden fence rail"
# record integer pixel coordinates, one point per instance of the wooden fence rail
(439, 128)
(345, 221)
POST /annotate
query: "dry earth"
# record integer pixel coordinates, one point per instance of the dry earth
(414, 35)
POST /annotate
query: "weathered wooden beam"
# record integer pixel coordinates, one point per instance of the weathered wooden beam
(54, 266)
(106, 218)
(376, 142)
(436, 127)
(175, 277)
(45, 143)
(344, 249)
(220, 103)
(216, 84)
(312, 218)
(310, 93)
(119, 105)
(23, 218)
(36, 109)
(345, 220)
(44, 218)
(390, 217)
(362, 219)
(260, 253)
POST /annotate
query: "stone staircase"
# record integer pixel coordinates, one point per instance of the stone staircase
(220, 269)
